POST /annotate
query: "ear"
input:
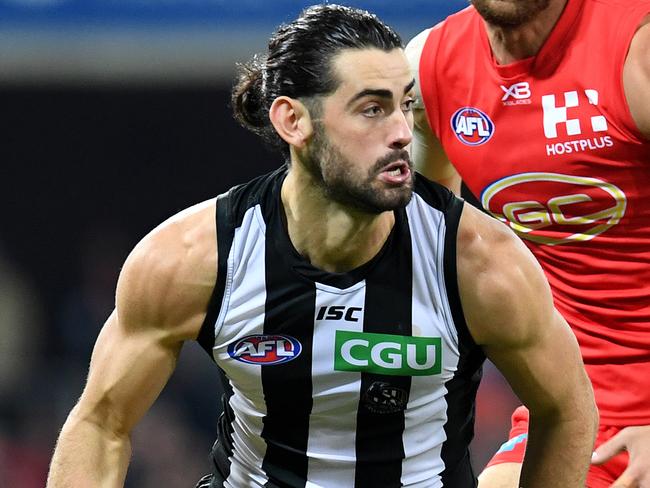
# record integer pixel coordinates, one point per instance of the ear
(291, 120)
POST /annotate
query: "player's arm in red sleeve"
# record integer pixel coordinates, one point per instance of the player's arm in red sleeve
(509, 311)
(162, 296)
(426, 150)
(635, 439)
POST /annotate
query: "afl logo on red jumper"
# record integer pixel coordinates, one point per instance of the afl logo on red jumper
(265, 349)
(471, 126)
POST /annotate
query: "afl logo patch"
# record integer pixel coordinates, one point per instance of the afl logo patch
(265, 349)
(471, 126)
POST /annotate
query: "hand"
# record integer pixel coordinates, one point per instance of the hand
(636, 441)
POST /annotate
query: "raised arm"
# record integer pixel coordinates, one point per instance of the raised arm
(509, 310)
(162, 295)
(426, 151)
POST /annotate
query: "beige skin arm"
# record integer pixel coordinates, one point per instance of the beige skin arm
(636, 78)
(162, 296)
(426, 151)
(509, 311)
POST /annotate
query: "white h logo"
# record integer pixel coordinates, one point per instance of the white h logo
(554, 115)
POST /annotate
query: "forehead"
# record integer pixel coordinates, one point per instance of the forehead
(359, 69)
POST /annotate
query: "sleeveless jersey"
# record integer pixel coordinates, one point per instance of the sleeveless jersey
(549, 147)
(358, 379)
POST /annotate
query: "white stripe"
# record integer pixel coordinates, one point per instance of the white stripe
(424, 434)
(248, 446)
(426, 412)
(241, 315)
(332, 425)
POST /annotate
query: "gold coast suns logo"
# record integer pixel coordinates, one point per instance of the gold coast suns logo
(563, 208)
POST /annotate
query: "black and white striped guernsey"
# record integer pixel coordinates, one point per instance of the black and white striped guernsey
(363, 379)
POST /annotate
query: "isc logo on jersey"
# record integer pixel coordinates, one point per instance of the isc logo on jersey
(265, 349)
(552, 208)
(471, 126)
(387, 354)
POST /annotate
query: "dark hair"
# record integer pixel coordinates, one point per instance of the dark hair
(298, 62)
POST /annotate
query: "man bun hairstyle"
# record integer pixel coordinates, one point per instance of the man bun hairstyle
(298, 63)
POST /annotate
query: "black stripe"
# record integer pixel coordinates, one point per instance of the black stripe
(223, 447)
(379, 446)
(461, 389)
(289, 310)
(225, 233)
(452, 215)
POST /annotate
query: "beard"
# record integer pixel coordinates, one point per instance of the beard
(511, 13)
(336, 176)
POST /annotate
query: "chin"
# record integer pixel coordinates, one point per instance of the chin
(399, 199)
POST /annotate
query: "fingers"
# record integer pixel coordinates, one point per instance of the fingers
(608, 450)
(635, 440)
(625, 481)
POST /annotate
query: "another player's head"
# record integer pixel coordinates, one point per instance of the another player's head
(509, 13)
(333, 92)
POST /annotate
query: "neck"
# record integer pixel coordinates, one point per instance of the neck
(510, 44)
(333, 237)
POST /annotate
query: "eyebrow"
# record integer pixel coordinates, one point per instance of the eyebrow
(381, 92)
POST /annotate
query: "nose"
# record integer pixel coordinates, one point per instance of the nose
(401, 129)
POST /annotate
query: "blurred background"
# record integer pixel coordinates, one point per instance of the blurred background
(114, 115)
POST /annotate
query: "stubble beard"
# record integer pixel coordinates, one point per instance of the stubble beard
(335, 176)
(509, 14)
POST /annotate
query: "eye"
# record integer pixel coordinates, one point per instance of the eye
(372, 111)
(407, 105)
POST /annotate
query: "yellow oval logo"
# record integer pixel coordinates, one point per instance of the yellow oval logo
(565, 208)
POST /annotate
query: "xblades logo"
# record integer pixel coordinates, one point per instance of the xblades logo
(517, 94)
(387, 354)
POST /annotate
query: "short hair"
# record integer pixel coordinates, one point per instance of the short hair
(298, 62)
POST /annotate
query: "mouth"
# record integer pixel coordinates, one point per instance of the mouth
(395, 173)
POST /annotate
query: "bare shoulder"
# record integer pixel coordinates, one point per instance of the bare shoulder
(167, 280)
(502, 286)
(636, 77)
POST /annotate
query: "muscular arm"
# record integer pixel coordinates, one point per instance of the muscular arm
(162, 295)
(636, 78)
(510, 313)
(426, 151)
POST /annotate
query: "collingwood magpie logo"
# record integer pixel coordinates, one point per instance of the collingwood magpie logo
(382, 397)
